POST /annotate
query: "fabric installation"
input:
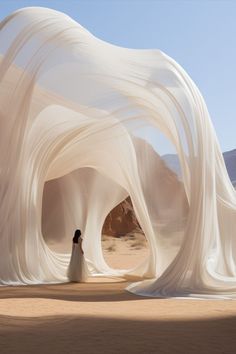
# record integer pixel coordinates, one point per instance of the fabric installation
(69, 107)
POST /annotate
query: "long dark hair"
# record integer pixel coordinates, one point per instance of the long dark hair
(77, 235)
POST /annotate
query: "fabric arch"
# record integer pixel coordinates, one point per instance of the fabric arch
(69, 108)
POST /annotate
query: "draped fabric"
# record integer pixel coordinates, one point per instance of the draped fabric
(69, 108)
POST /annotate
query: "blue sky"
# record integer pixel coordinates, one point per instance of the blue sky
(199, 34)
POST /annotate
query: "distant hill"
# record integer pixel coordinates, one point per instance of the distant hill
(172, 162)
(230, 162)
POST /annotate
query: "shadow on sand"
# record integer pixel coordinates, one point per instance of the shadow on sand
(97, 335)
(83, 292)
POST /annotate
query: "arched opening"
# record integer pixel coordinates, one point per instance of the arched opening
(84, 199)
(96, 204)
(123, 240)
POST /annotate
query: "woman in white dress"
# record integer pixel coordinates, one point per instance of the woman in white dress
(78, 269)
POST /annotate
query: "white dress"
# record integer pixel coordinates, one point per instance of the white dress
(78, 268)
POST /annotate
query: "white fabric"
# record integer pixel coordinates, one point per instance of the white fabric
(78, 269)
(69, 106)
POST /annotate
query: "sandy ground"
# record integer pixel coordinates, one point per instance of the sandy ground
(101, 317)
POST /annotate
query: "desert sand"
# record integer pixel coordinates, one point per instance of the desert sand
(101, 317)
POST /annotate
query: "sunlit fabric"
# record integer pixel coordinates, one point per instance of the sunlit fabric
(70, 107)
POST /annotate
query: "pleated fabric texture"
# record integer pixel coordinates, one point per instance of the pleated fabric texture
(69, 108)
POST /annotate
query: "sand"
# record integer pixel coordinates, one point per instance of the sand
(101, 317)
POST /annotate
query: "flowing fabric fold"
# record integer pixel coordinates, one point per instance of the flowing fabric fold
(70, 106)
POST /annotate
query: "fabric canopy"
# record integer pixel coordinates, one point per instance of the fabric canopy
(70, 105)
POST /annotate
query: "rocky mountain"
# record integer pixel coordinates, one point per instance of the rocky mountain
(121, 220)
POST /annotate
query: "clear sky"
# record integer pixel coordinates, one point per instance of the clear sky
(199, 34)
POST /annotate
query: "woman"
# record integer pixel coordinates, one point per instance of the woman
(78, 269)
